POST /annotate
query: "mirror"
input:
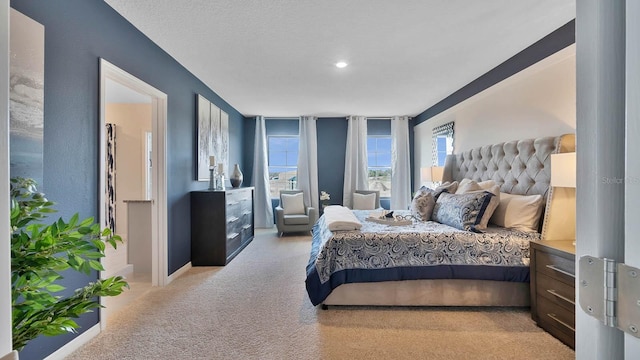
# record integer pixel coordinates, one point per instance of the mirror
(442, 143)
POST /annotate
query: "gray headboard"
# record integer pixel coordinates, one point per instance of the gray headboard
(520, 167)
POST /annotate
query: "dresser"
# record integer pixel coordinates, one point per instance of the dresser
(221, 225)
(553, 288)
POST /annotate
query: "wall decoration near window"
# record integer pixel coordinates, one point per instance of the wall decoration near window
(442, 143)
(110, 167)
(213, 137)
(26, 97)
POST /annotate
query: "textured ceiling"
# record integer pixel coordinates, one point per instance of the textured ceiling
(276, 58)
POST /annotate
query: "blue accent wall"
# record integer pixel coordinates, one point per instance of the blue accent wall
(379, 127)
(332, 145)
(77, 34)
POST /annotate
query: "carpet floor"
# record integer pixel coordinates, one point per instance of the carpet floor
(257, 308)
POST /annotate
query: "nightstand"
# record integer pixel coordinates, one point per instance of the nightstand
(553, 288)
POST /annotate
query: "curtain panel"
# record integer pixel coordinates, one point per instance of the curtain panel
(308, 161)
(400, 167)
(356, 176)
(260, 180)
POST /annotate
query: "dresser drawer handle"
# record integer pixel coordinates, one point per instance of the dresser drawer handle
(232, 220)
(245, 227)
(554, 293)
(231, 203)
(246, 213)
(553, 316)
(555, 268)
(233, 236)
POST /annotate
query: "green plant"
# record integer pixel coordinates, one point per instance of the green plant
(39, 253)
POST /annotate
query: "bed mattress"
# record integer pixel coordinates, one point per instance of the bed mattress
(422, 250)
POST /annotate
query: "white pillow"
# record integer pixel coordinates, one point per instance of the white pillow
(520, 212)
(467, 185)
(364, 201)
(293, 204)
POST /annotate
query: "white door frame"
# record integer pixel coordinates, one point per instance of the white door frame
(632, 186)
(608, 127)
(5, 242)
(159, 259)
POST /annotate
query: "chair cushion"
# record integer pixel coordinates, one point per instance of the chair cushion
(292, 204)
(296, 219)
(364, 201)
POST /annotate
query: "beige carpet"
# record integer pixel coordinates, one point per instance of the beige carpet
(257, 308)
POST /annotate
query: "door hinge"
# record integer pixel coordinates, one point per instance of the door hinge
(610, 292)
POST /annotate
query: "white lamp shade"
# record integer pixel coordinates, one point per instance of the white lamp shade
(433, 173)
(563, 170)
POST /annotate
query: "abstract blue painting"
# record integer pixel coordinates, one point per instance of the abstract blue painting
(26, 97)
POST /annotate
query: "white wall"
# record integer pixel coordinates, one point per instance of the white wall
(132, 121)
(538, 101)
(5, 259)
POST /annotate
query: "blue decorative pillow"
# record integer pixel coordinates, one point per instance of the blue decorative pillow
(461, 211)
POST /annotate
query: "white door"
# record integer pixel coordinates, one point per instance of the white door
(608, 129)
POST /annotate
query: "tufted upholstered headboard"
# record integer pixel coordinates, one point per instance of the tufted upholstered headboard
(521, 167)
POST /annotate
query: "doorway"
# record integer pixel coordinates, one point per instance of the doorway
(133, 182)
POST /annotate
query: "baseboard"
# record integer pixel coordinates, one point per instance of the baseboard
(75, 344)
(176, 274)
(10, 356)
(124, 272)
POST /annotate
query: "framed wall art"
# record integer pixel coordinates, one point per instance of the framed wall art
(213, 137)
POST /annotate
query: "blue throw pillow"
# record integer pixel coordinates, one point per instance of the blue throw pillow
(461, 211)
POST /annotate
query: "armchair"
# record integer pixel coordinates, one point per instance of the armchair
(292, 214)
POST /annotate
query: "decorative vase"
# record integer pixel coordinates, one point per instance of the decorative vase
(236, 176)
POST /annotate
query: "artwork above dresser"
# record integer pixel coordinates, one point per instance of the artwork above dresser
(221, 225)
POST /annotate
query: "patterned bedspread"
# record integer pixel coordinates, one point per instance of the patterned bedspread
(423, 250)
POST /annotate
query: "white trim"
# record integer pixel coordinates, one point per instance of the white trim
(632, 172)
(159, 272)
(75, 344)
(600, 149)
(5, 243)
(176, 274)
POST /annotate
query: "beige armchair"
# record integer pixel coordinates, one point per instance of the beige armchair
(292, 214)
(363, 203)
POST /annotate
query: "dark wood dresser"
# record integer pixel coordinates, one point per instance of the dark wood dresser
(221, 225)
(553, 288)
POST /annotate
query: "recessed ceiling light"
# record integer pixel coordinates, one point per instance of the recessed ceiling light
(341, 64)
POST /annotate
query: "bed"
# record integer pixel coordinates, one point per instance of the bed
(431, 264)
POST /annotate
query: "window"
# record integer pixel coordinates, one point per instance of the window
(283, 163)
(442, 143)
(379, 159)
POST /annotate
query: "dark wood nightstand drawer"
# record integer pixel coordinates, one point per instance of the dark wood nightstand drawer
(555, 266)
(553, 287)
(556, 291)
(557, 320)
